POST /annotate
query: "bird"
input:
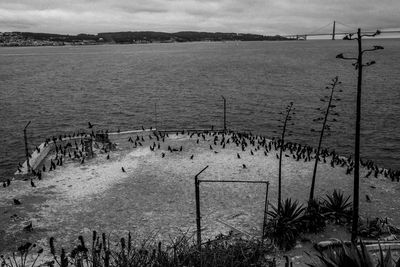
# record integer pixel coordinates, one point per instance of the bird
(244, 166)
(32, 183)
(162, 154)
(191, 157)
(142, 128)
(108, 156)
(211, 147)
(17, 202)
(90, 126)
(238, 155)
(8, 182)
(29, 227)
(123, 170)
(367, 198)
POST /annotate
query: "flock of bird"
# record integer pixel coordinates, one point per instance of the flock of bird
(67, 147)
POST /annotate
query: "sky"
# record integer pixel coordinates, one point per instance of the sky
(267, 17)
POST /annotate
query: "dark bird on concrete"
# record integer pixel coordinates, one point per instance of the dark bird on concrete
(142, 128)
(277, 156)
(108, 156)
(123, 170)
(4, 184)
(8, 182)
(83, 160)
(197, 141)
(90, 126)
(211, 147)
(244, 166)
(180, 149)
(368, 198)
(238, 155)
(17, 202)
(29, 227)
(162, 154)
(44, 168)
(32, 183)
(191, 157)
(251, 152)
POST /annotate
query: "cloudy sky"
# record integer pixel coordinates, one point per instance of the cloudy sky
(268, 17)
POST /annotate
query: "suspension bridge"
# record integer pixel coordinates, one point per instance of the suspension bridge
(336, 29)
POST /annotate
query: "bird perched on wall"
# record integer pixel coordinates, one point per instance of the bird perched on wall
(108, 156)
(32, 183)
(244, 166)
(90, 126)
(367, 198)
(17, 202)
(238, 155)
(191, 157)
(123, 170)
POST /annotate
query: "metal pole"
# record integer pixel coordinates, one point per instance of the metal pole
(198, 215)
(26, 148)
(155, 114)
(224, 112)
(265, 214)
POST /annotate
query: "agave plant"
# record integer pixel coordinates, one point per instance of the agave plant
(314, 218)
(285, 224)
(337, 207)
(355, 256)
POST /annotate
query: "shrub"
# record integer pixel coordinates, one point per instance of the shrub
(355, 256)
(314, 218)
(284, 226)
(337, 207)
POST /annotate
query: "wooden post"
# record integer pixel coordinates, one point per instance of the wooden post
(198, 215)
(26, 148)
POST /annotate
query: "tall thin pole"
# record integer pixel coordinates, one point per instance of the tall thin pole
(155, 114)
(357, 144)
(224, 112)
(26, 148)
(333, 32)
(265, 213)
(198, 215)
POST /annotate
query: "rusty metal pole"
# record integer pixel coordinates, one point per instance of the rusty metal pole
(265, 213)
(198, 215)
(224, 112)
(26, 148)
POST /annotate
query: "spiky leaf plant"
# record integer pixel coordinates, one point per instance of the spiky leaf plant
(337, 207)
(314, 218)
(355, 256)
(285, 224)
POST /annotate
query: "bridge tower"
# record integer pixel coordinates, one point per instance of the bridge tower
(333, 32)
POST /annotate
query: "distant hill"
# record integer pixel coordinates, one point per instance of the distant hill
(186, 36)
(39, 39)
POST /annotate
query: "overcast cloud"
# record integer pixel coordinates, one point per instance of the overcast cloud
(268, 17)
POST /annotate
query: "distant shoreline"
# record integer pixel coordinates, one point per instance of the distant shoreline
(12, 39)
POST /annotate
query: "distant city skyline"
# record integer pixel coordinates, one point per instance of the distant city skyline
(267, 17)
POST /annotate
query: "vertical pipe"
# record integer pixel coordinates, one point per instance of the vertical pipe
(26, 148)
(155, 114)
(224, 112)
(265, 213)
(198, 217)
